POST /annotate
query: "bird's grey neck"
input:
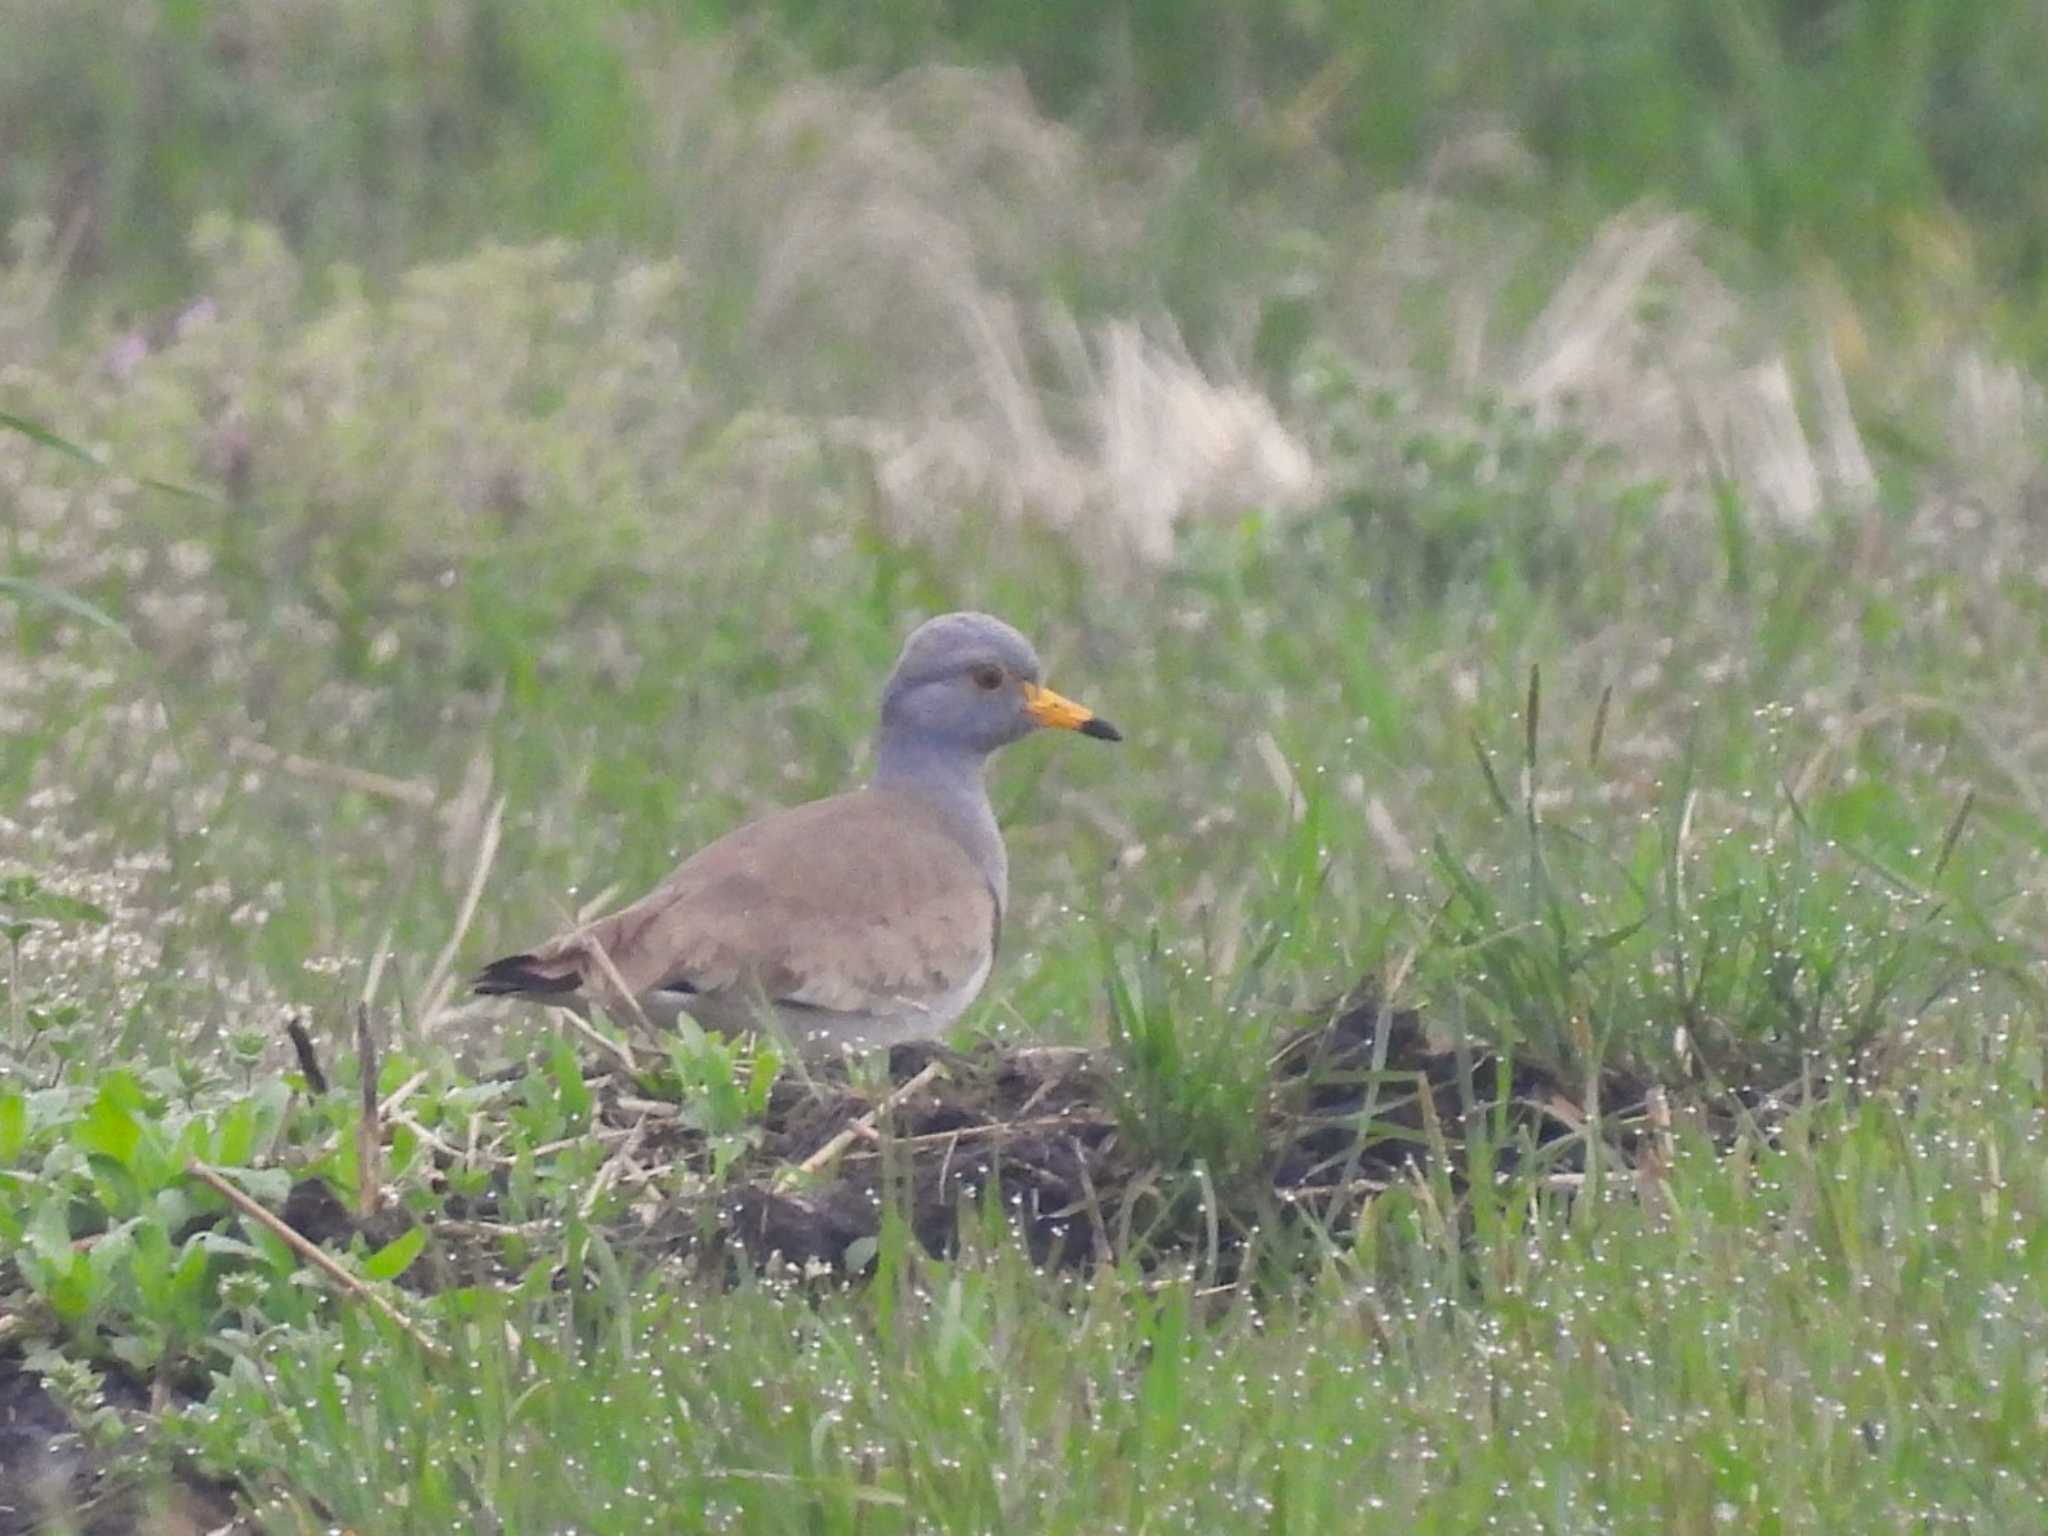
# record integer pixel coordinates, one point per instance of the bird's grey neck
(949, 783)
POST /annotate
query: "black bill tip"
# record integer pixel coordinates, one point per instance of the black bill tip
(1100, 729)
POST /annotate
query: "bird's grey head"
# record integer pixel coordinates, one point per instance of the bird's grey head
(969, 682)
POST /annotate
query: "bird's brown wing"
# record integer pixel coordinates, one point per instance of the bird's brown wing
(856, 903)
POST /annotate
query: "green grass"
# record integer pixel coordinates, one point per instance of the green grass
(552, 561)
(1892, 150)
(1833, 1321)
(1842, 1335)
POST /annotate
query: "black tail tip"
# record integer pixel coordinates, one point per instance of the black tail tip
(518, 975)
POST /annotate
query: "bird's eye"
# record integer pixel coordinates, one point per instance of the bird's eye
(987, 679)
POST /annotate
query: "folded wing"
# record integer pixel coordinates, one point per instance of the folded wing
(860, 903)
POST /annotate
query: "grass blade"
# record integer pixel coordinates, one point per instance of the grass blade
(36, 432)
(1599, 727)
(1493, 788)
(21, 589)
(1953, 835)
(1531, 716)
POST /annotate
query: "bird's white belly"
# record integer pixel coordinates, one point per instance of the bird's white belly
(732, 1013)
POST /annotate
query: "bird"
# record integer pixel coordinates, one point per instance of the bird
(868, 918)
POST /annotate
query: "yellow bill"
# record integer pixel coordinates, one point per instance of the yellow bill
(1063, 714)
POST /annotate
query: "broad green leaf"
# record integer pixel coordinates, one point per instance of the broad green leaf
(574, 1092)
(152, 1245)
(113, 1254)
(860, 1253)
(109, 1130)
(277, 1254)
(232, 1138)
(139, 1351)
(225, 1246)
(56, 1270)
(13, 1126)
(396, 1256)
(245, 1126)
(28, 897)
(172, 1206)
(119, 1191)
(49, 1230)
(188, 1275)
(195, 1140)
(269, 1185)
(59, 908)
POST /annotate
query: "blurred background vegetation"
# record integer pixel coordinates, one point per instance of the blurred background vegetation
(1887, 145)
(1553, 490)
(509, 352)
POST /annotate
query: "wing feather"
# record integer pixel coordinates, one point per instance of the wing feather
(856, 903)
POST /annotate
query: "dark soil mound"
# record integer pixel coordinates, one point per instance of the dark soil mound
(52, 1478)
(1359, 1098)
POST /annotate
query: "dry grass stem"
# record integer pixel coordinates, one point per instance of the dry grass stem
(382, 786)
(441, 980)
(825, 1155)
(312, 1254)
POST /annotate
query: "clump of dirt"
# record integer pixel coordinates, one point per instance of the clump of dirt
(54, 1478)
(1033, 1124)
(1362, 1096)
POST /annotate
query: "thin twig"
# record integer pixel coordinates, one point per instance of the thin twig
(375, 978)
(594, 946)
(602, 1041)
(607, 1176)
(311, 1252)
(659, 1109)
(600, 1133)
(440, 980)
(434, 1140)
(1096, 1227)
(412, 792)
(401, 1093)
(618, 1164)
(1068, 1120)
(824, 1156)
